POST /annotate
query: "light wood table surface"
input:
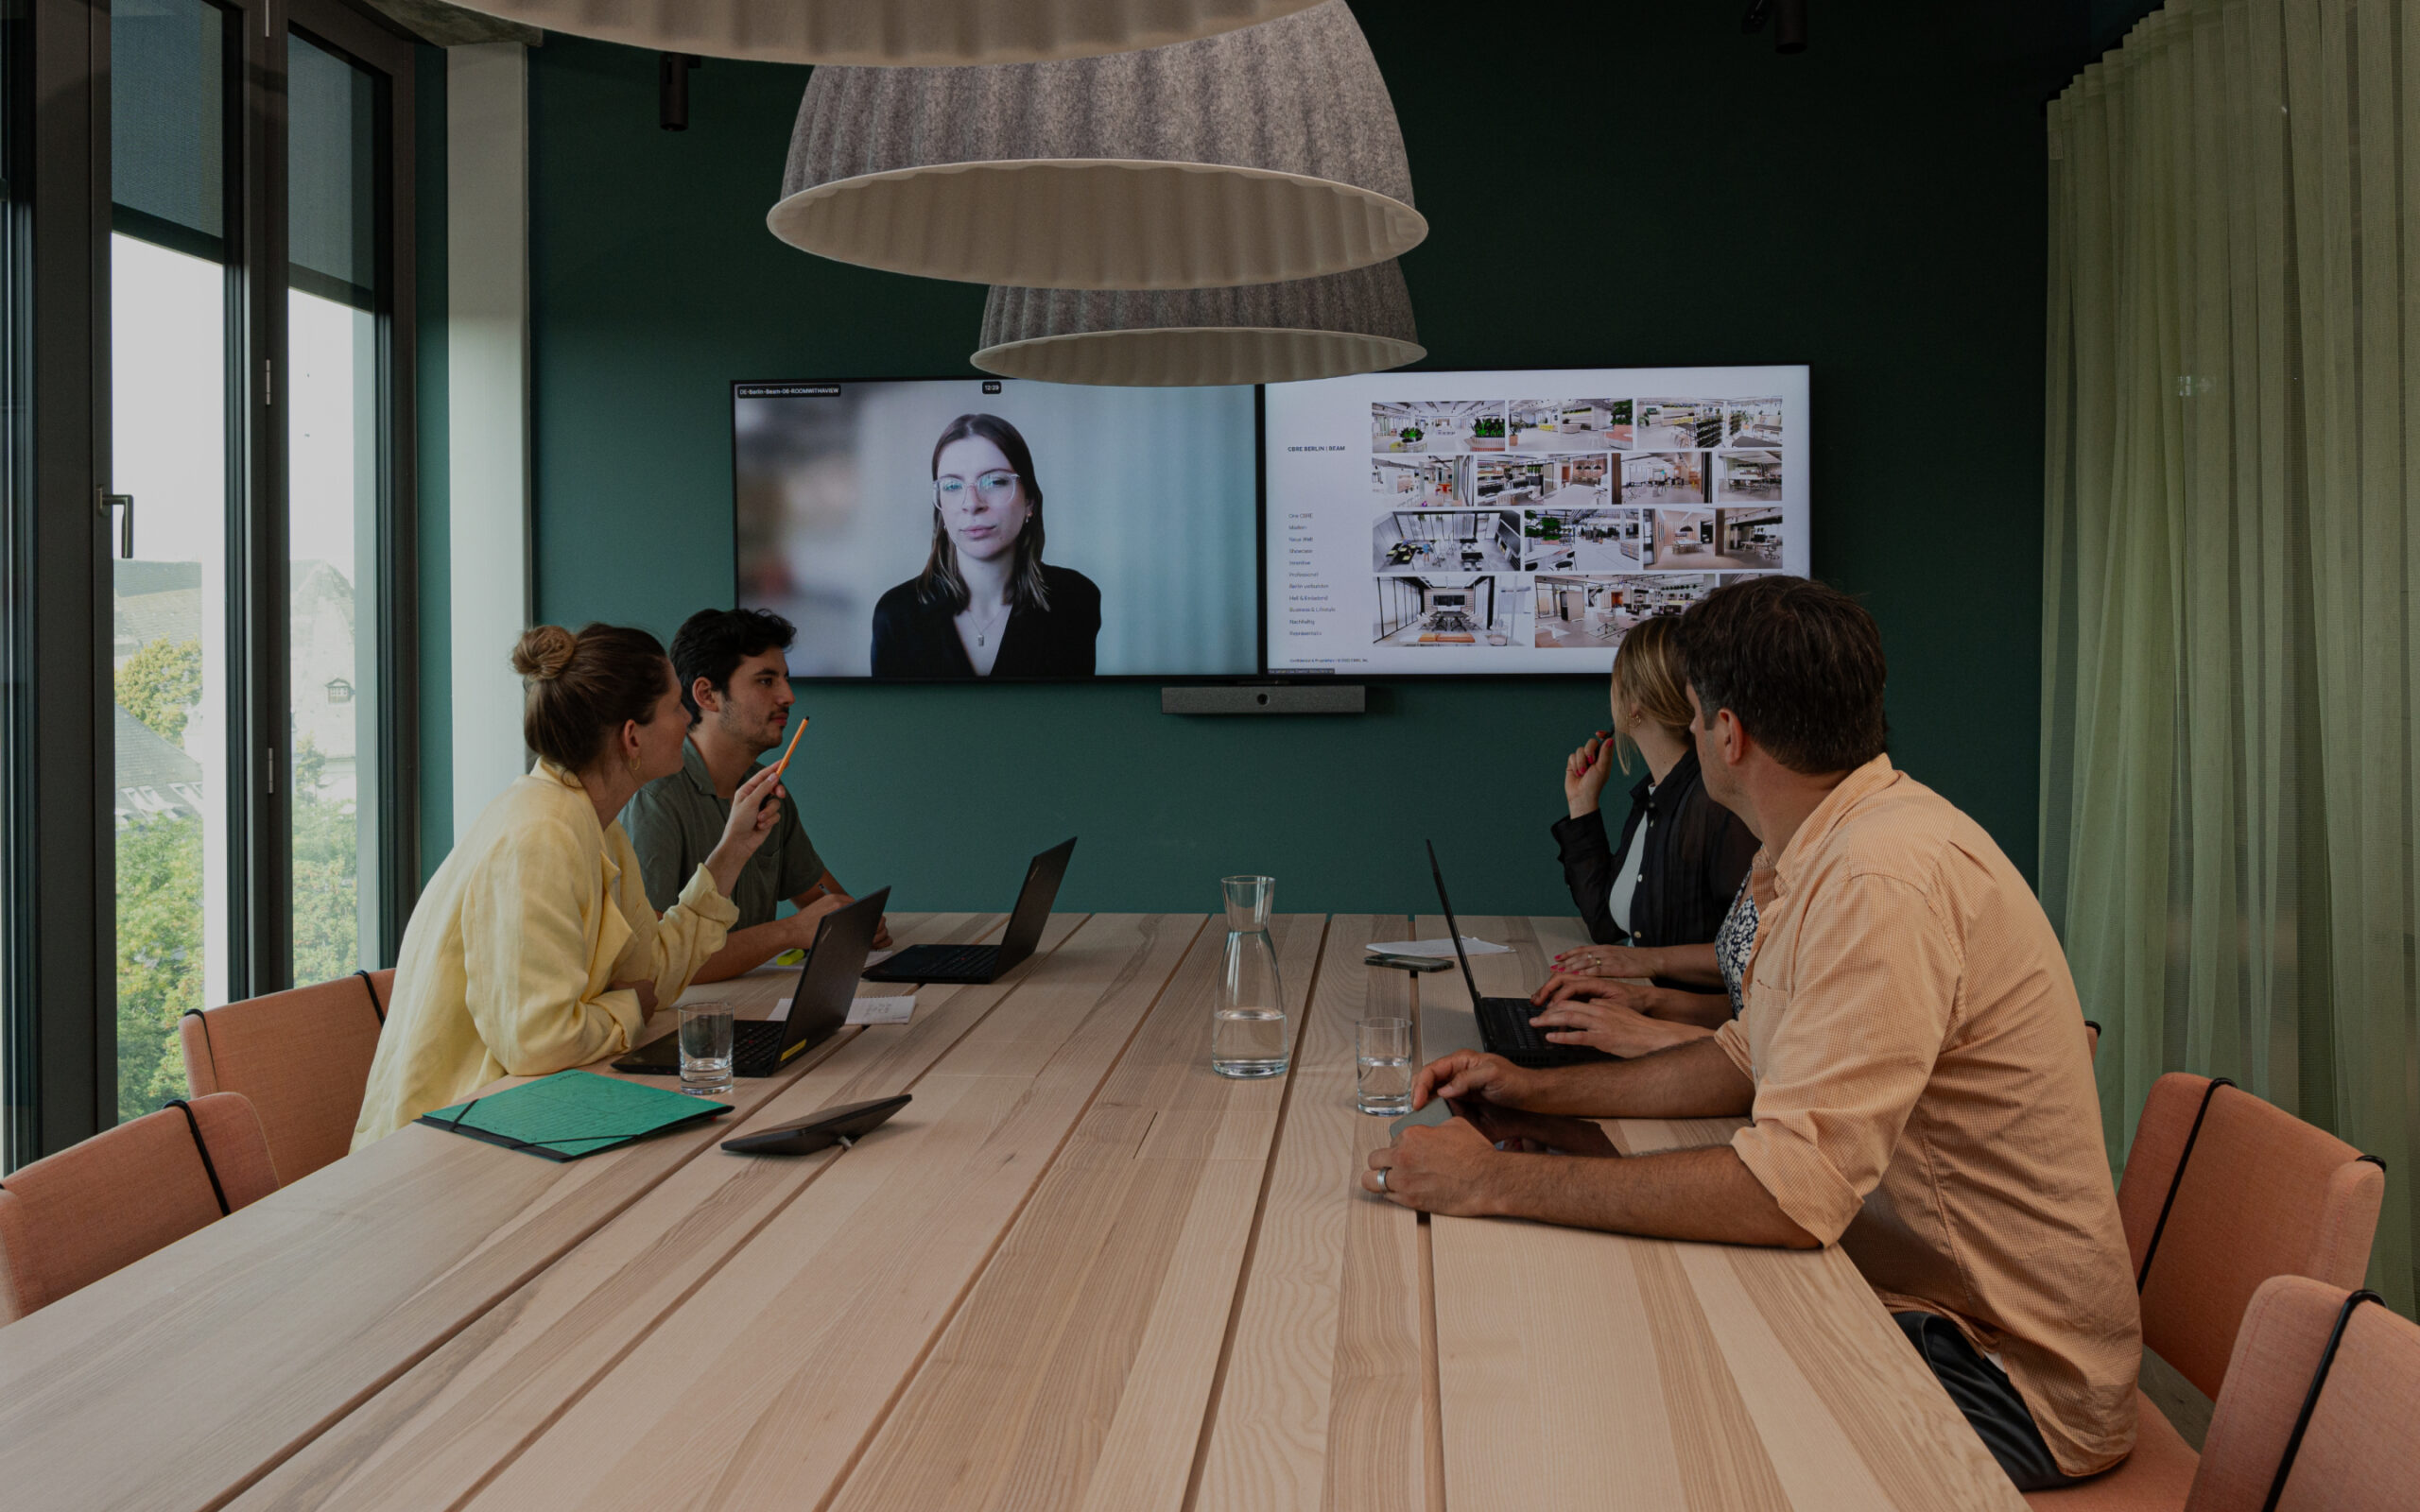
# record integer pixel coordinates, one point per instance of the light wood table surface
(1079, 1271)
(1747, 1379)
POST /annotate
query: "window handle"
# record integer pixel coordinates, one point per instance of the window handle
(125, 522)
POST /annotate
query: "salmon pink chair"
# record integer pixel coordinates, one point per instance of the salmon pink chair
(2221, 1191)
(68, 1220)
(2321, 1392)
(303, 1057)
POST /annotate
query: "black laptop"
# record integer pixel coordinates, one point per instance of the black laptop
(984, 963)
(819, 1004)
(1504, 1025)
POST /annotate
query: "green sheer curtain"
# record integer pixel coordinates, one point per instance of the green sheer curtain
(2231, 661)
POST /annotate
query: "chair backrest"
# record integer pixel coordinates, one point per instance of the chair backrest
(2262, 1194)
(302, 1056)
(2358, 1453)
(70, 1219)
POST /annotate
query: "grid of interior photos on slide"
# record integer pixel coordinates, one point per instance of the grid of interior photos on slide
(1562, 522)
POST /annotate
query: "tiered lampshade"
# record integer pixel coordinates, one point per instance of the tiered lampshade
(1357, 321)
(1256, 156)
(891, 33)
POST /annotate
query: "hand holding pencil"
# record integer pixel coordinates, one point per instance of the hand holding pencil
(783, 765)
(755, 810)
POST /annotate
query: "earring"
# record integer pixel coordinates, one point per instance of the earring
(634, 766)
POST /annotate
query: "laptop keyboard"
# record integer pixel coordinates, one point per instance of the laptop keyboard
(1505, 1028)
(757, 1046)
(943, 960)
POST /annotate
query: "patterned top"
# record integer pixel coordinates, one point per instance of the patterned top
(1733, 940)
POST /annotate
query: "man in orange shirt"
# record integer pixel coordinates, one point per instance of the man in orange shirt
(1912, 1055)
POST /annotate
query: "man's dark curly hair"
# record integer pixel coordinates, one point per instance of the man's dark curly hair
(1797, 664)
(713, 641)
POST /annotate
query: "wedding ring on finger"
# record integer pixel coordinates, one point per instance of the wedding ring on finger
(1382, 1179)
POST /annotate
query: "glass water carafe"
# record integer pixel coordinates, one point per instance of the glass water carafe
(1248, 1026)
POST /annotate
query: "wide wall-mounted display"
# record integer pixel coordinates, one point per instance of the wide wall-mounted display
(1465, 523)
(1383, 524)
(992, 528)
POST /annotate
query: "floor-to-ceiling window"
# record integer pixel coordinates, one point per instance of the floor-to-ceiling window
(175, 294)
(335, 281)
(256, 504)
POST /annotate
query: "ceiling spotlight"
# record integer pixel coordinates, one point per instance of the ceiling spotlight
(1789, 35)
(672, 90)
(1790, 26)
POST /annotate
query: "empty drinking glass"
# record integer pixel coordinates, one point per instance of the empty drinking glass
(1382, 1060)
(1248, 1026)
(706, 1049)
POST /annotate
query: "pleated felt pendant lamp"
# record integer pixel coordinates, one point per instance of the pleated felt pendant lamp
(1357, 321)
(1254, 157)
(891, 33)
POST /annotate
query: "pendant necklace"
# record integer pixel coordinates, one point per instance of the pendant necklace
(983, 634)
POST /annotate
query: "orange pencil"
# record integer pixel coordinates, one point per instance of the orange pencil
(783, 765)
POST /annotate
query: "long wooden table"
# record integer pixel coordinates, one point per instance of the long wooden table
(1079, 1271)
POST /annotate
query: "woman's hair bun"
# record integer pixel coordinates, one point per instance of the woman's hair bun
(543, 651)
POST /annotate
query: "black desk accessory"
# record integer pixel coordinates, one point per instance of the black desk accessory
(843, 1126)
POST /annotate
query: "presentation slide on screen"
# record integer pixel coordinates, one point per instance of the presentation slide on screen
(859, 503)
(1466, 523)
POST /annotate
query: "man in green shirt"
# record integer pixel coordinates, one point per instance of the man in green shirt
(735, 679)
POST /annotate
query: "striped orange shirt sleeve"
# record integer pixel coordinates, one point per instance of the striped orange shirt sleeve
(1869, 993)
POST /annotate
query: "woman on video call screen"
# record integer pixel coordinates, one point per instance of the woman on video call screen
(986, 602)
(898, 524)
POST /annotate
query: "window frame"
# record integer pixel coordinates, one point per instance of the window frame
(57, 998)
(376, 44)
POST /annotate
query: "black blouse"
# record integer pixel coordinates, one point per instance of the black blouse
(1697, 852)
(913, 639)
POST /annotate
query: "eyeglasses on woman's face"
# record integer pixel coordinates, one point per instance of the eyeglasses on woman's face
(995, 487)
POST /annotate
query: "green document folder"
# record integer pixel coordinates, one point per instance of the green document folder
(570, 1114)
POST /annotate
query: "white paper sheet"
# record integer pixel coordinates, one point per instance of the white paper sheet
(864, 1010)
(1438, 949)
(882, 1011)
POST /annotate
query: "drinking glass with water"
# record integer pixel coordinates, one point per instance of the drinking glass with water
(706, 1049)
(1382, 1060)
(1247, 1027)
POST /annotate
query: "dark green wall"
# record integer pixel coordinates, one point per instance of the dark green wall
(1602, 193)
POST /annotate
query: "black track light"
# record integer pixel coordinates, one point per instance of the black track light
(1790, 26)
(672, 90)
(1790, 34)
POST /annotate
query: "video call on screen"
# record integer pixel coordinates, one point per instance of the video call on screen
(1148, 492)
(1421, 523)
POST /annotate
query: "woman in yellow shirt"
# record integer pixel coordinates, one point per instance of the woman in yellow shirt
(534, 947)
